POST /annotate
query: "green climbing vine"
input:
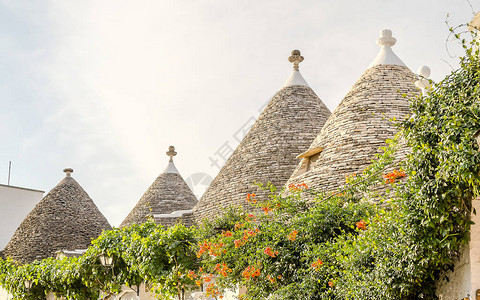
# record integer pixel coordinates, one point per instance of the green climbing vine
(141, 253)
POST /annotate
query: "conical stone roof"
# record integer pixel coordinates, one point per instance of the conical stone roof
(66, 218)
(167, 194)
(360, 124)
(268, 152)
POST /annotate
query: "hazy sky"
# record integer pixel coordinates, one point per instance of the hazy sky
(104, 87)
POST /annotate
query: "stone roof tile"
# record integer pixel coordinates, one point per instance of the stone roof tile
(358, 127)
(66, 218)
(167, 194)
(268, 152)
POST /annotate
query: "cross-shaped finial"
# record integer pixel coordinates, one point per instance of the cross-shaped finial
(68, 171)
(295, 58)
(171, 152)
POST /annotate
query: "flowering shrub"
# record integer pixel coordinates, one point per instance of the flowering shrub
(317, 264)
(268, 251)
(361, 225)
(282, 250)
(292, 235)
(250, 272)
(394, 175)
(251, 198)
(297, 187)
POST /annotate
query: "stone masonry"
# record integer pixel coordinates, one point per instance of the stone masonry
(66, 218)
(168, 193)
(358, 127)
(268, 152)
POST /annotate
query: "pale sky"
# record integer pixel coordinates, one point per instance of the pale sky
(104, 87)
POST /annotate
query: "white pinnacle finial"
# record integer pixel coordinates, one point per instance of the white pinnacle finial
(386, 55)
(386, 38)
(68, 172)
(423, 82)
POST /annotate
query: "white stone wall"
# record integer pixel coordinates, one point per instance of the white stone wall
(458, 286)
(15, 204)
(4, 295)
(474, 247)
(465, 278)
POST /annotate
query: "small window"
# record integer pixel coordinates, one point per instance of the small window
(312, 160)
(309, 159)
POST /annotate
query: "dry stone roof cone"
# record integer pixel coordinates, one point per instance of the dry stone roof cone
(167, 194)
(66, 218)
(360, 124)
(268, 152)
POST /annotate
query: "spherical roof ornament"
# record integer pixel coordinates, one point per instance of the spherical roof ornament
(424, 71)
(423, 82)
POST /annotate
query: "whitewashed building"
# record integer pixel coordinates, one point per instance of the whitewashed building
(15, 202)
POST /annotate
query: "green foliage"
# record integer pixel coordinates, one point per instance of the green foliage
(290, 240)
(411, 238)
(60, 276)
(141, 253)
